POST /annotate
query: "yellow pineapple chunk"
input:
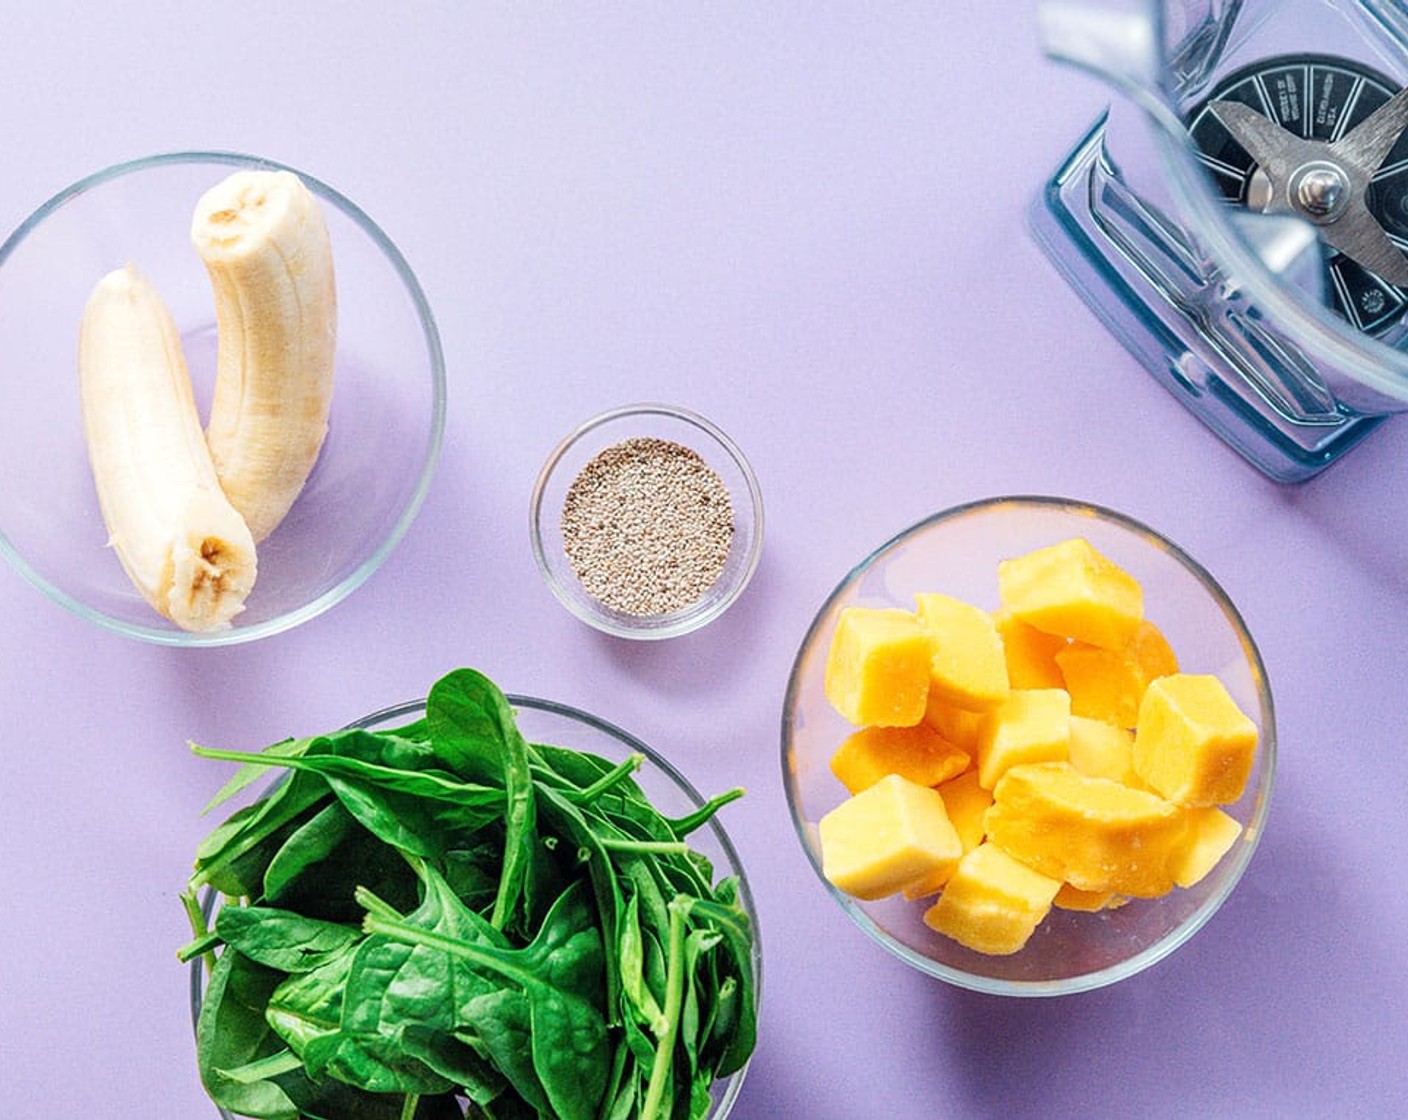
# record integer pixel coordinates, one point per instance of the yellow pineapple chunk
(968, 667)
(1108, 684)
(1072, 590)
(1211, 834)
(1102, 750)
(1192, 743)
(1031, 725)
(918, 753)
(1093, 833)
(877, 669)
(1030, 653)
(992, 903)
(887, 837)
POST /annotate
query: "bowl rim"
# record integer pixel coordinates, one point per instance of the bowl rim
(735, 1080)
(650, 627)
(236, 634)
(1254, 827)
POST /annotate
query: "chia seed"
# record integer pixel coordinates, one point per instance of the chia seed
(647, 525)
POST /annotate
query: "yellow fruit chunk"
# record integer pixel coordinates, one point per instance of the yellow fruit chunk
(877, 669)
(1072, 590)
(932, 883)
(1211, 834)
(887, 837)
(968, 667)
(1073, 898)
(1192, 743)
(1030, 653)
(918, 753)
(992, 903)
(966, 802)
(1093, 833)
(1108, 684)
(1031, 725)
(1102, 750)
(958, 726)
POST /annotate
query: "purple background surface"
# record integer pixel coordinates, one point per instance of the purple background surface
(807, 222)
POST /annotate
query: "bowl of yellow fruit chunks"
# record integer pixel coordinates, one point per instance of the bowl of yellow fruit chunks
(233, 395)
(1028, 745)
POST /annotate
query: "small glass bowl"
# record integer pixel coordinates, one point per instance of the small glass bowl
(657, 421)
(956, 552)
(385, 428)
(546, 721)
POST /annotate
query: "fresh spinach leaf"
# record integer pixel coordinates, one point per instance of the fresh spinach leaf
(371, 1061)
(734, 1035)
(251, 772)
(231, 1032)
(318, 878)
(569, 823)
(564, 1035)
(233, 859)
(317, 840)
(470, 722)
(282, 939)
(308, 1005)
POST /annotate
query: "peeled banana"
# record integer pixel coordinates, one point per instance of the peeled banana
(265, 245)
(181, 542)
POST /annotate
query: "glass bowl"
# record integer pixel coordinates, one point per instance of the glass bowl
(956, 552)
(566, 464)
(385, 428)
(546, 721)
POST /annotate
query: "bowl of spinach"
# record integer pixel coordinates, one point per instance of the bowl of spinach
(478, 905)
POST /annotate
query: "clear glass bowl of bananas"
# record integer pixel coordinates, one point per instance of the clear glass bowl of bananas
(232, 391)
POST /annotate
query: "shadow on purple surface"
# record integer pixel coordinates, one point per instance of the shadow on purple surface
(1230, 1025)
(720, 652)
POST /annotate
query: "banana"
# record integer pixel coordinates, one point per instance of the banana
(182, 544)
(265, 245)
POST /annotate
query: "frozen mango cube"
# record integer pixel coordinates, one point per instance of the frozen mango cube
(1073, 898)
(887, 837)
(968, 667)
(1030, 653)
(1108, 684)
(966, 802)
(1102, 750)
(1093, 833)
(1072, 590)
(992, 902)
(1211, 834)
(1192, 743)
(932, 883)
(958, 725)
(918, 753)
(1031, 725)
(877, 669)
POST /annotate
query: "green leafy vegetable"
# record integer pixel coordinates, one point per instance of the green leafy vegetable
(446, 921)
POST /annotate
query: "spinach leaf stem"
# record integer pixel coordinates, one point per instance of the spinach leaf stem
(652, 847)
(429, 939)
(674, 1003)
(610, 779)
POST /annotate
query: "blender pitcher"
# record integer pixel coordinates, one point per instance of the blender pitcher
(1239, 216)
